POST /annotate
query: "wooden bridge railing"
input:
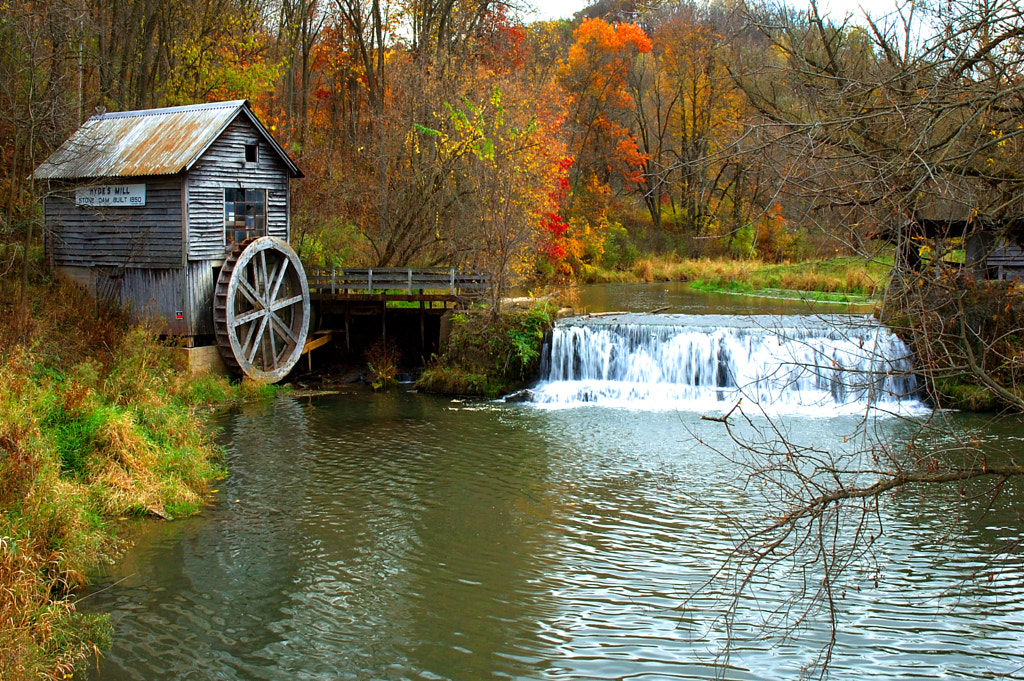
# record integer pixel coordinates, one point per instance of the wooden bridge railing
(341, 280)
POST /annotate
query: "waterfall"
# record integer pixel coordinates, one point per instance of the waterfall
(822, 365)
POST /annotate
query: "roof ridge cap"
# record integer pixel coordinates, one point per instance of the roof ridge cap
(163, 111)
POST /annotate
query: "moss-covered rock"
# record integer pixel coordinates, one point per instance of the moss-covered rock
(953, 394)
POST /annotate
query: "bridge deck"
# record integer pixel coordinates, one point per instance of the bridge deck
(351, 300)
(395, 283)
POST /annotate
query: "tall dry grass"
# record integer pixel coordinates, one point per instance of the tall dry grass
(839, 275)
(48, 539)
(96, 422)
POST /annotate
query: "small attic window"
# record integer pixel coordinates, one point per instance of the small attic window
(252, 152)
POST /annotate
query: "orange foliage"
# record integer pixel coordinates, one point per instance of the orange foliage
(773, 240)
(600, 58)
(595, 76)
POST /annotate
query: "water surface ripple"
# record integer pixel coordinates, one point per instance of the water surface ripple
(406, 537)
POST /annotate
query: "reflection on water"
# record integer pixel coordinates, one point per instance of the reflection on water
(406, 537)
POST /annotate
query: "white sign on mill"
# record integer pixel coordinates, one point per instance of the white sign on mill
(111, 195)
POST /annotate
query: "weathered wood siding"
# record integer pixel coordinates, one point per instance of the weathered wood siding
(199, 283)
(143, 236)
(153, 294)
(160, 294)
(222, 166)
(1006, 262)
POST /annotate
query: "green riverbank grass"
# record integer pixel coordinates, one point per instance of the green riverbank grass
(744, 288)
(96, 423)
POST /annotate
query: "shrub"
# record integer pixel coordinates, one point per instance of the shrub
(382, 359)
(490, 355)
(742, 243)
(964, 335)
(644, 270)
(619, 251)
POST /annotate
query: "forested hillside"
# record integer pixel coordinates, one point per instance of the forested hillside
(463, 133)
(446, 132)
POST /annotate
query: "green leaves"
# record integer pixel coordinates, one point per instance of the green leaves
(484, 149)
(423, 130)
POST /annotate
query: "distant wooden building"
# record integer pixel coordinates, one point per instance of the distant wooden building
(144, 207)
(991, 247)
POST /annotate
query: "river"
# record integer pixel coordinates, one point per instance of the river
(406, 536)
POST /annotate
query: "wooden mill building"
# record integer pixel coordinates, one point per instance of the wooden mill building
(143, 207)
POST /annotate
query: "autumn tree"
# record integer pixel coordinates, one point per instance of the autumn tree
(146, 54)
(410, 194)
(594, 76)
(39, 43)
(506, 187)
(301, 22)
(442, 29)
(688, 117)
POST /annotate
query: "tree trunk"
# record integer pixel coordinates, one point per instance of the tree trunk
(24, 278)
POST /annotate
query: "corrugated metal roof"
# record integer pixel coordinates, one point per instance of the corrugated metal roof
(148, 142)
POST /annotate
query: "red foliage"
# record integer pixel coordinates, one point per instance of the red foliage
(503, 46)
(553, 225)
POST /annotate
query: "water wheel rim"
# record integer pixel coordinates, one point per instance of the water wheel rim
(267, 313)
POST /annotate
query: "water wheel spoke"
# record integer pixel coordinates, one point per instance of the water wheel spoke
(264, 281)
(248, 317)
(286, 302)
(250, 294)
(258, 341)
(277, 276)
(246, 344)
(285, 329)
(272, 335)
(265, 345)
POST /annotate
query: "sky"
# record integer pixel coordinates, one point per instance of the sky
(555, 9)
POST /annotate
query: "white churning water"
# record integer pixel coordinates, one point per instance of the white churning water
(810, 365)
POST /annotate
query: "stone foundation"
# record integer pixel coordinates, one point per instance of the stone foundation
(202, 360)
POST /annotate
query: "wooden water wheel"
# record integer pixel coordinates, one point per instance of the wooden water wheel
(261, 309)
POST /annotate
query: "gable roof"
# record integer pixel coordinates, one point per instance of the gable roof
(148, 142)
